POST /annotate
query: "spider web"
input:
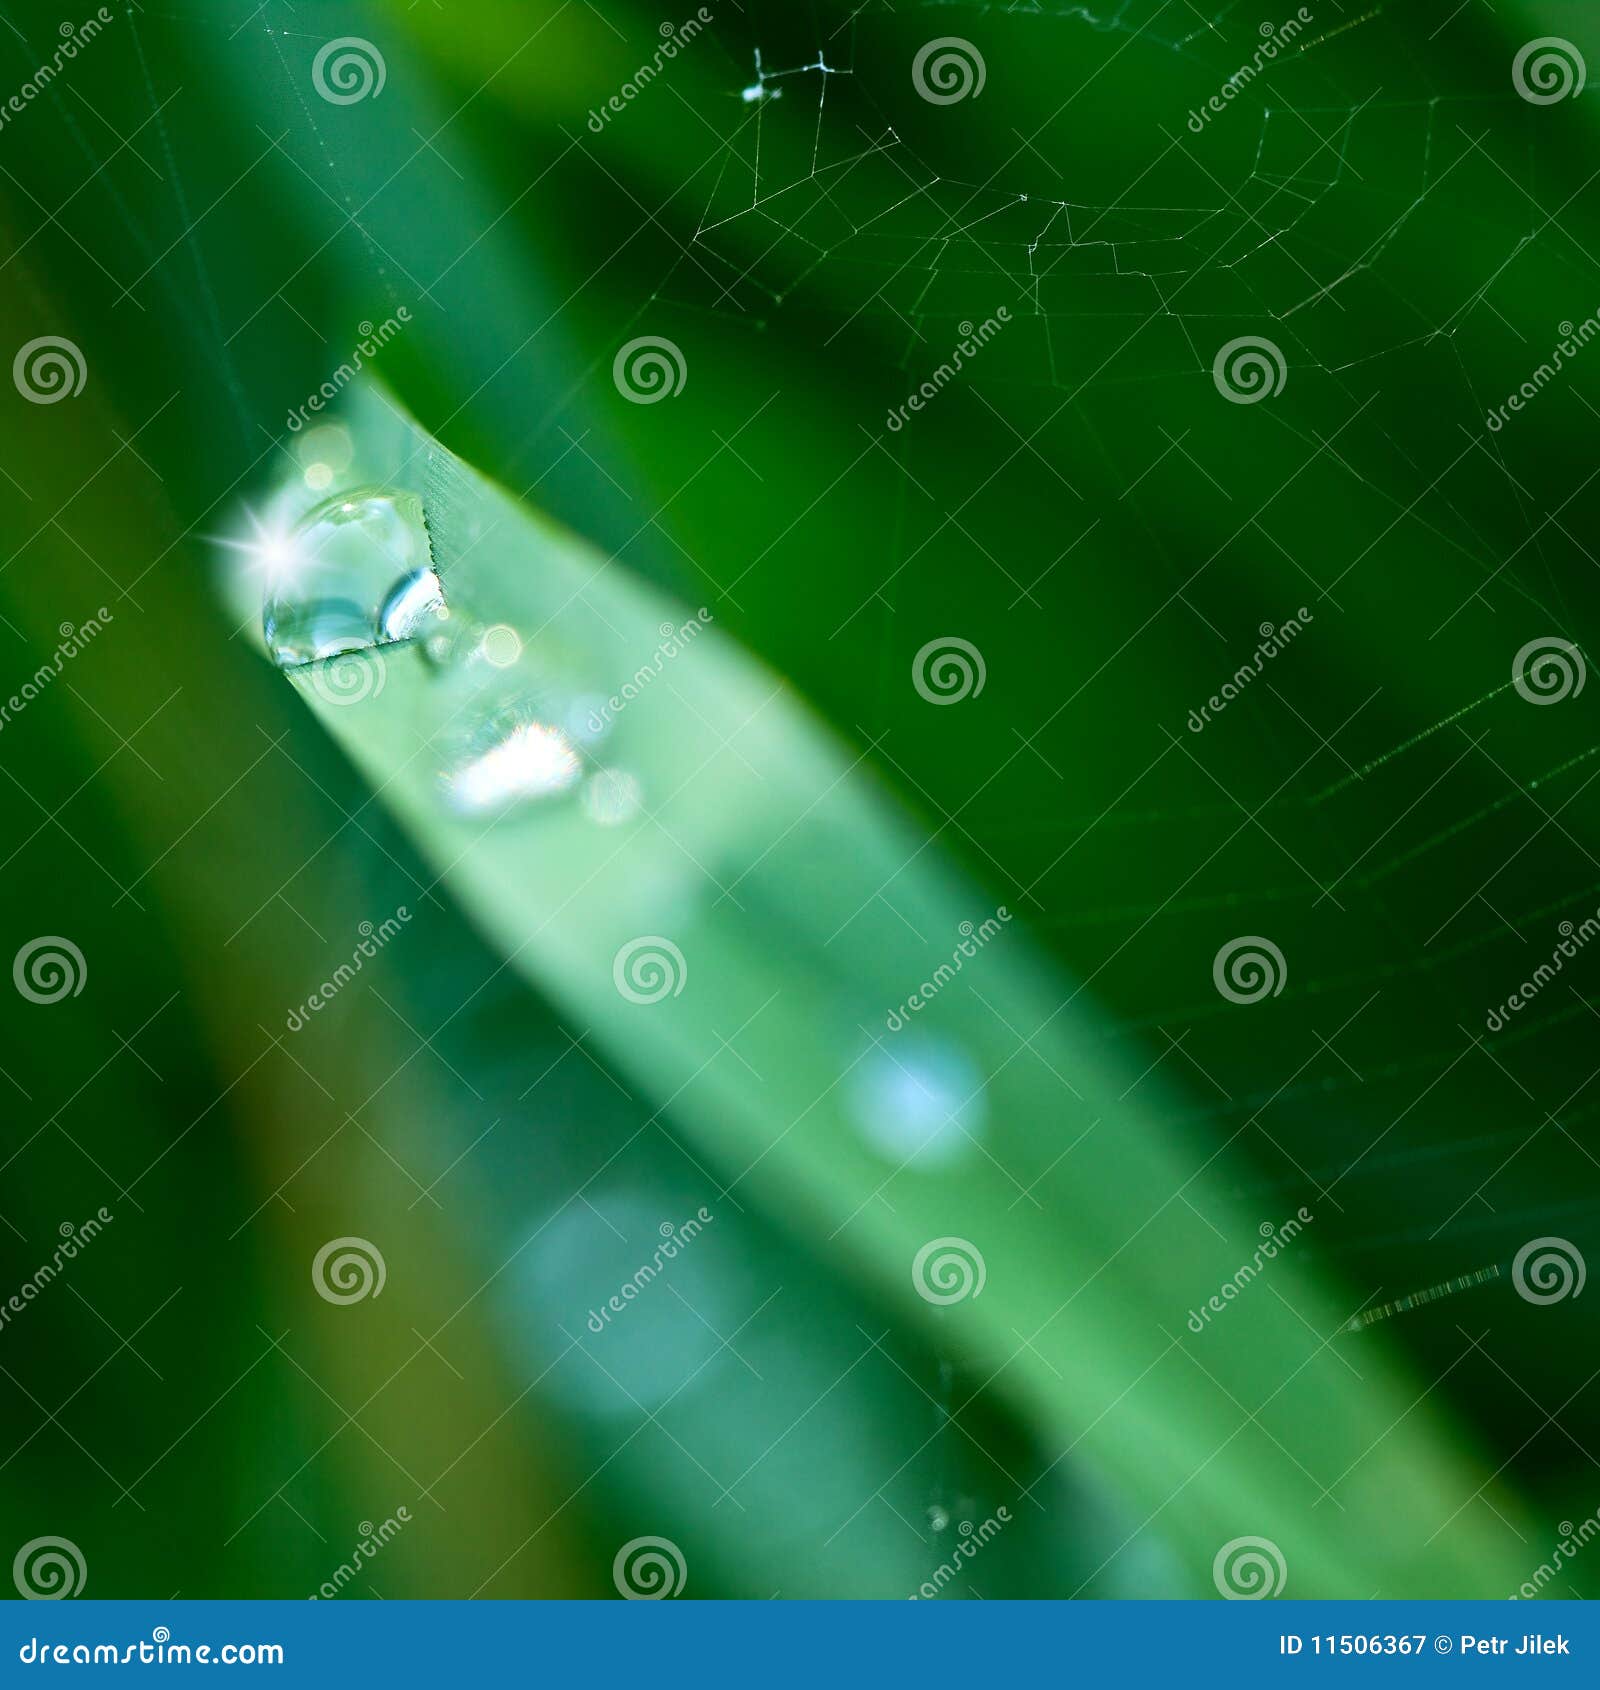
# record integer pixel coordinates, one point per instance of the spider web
(841, 184)
(1127, 248)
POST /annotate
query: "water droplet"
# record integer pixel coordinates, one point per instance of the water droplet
(938, 1518)
(327, 443)
(569, 1288)
(448, 639)
(325, 453)
(501, 645)
(459, 642)
(512, 717)
(919, 1101)
(509, 757)
(357, 571)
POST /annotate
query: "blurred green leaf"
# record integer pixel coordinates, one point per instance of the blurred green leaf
(804, 911)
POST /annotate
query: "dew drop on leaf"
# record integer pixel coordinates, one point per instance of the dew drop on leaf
(509, 757)
(357, 571)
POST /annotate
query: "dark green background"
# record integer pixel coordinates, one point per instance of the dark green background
(210, 233)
